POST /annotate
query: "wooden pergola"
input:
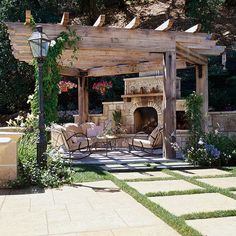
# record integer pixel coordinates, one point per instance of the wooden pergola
(112, 51)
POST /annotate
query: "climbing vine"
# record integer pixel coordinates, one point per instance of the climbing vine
(194, 116)
(51, 75)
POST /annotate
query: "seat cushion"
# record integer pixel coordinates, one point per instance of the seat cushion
(155, 137)
(140, 143)
(80, 143)
(73, 128)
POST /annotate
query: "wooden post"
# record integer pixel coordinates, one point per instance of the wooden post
(85, 83)
(202, 89)
(169, 104)
(80, 102)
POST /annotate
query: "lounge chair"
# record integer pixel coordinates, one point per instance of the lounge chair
(153, 141)
(72, 140)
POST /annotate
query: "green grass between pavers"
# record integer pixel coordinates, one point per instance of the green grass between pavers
(88, 173)
(206, 215)
(150, 179)
(180, 192)
(93, 173)
(231, 169)
(208, 187)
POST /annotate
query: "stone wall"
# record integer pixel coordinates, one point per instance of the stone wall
(225, 122)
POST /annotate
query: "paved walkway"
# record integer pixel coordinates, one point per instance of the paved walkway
(88, 209)
(186, 203)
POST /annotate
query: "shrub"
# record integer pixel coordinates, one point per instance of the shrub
(52, 174)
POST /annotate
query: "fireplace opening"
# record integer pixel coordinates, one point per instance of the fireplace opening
(145, 119)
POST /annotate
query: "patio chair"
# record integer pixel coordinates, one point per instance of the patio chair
(72, 141)
(153, 141)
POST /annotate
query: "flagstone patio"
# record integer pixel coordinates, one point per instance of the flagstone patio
(93, 208)
(162, 186)
(225, 226)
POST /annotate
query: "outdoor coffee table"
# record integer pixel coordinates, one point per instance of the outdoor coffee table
(106, 141)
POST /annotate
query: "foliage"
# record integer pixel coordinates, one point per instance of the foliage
(116, 115)
(53, 174)
(51, 76)
(29, 122)
(204, 155)
(16, 80)
(226, 145)
(194, 116)
(204, 11)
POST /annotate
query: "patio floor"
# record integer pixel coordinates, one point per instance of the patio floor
(88, 209)
(121, 159)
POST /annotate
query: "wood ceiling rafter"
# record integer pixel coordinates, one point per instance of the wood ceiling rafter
(100, 21)
(119, 48)
(166, 25)
(65, 19)
(194, 29)
(134, 23)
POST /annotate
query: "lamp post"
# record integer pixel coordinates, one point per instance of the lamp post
(39, 44)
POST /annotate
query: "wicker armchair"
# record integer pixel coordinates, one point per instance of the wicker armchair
(153, 141)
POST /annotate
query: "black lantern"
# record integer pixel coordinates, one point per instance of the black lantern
(39, 44)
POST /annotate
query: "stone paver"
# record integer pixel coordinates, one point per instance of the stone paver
(216, 226)
(204, 202)
(225, 182)
(86, 209)
(162, 186)
(141, 175)
(201, 172)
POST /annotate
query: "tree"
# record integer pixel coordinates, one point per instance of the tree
(203, 11)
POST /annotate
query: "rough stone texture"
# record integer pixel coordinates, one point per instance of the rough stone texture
(141, 175)
(204, 202)
(225, 182)
(201, 172)
(225, 226)
(86, 209)
(225, 120)
(162, 186)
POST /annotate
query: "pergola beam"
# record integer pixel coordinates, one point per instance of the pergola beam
(144, 66)
(166, 25)
(134, 23)
(125, 69)
(100, 21)
(190, 56)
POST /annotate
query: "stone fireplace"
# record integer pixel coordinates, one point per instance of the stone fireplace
(145, 119)
(141, 107)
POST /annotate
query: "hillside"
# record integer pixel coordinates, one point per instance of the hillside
(153, 13)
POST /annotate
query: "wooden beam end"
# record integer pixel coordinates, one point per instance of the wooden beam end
(65, 19)
(100, 21)
(134, 23)
(27, 17)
